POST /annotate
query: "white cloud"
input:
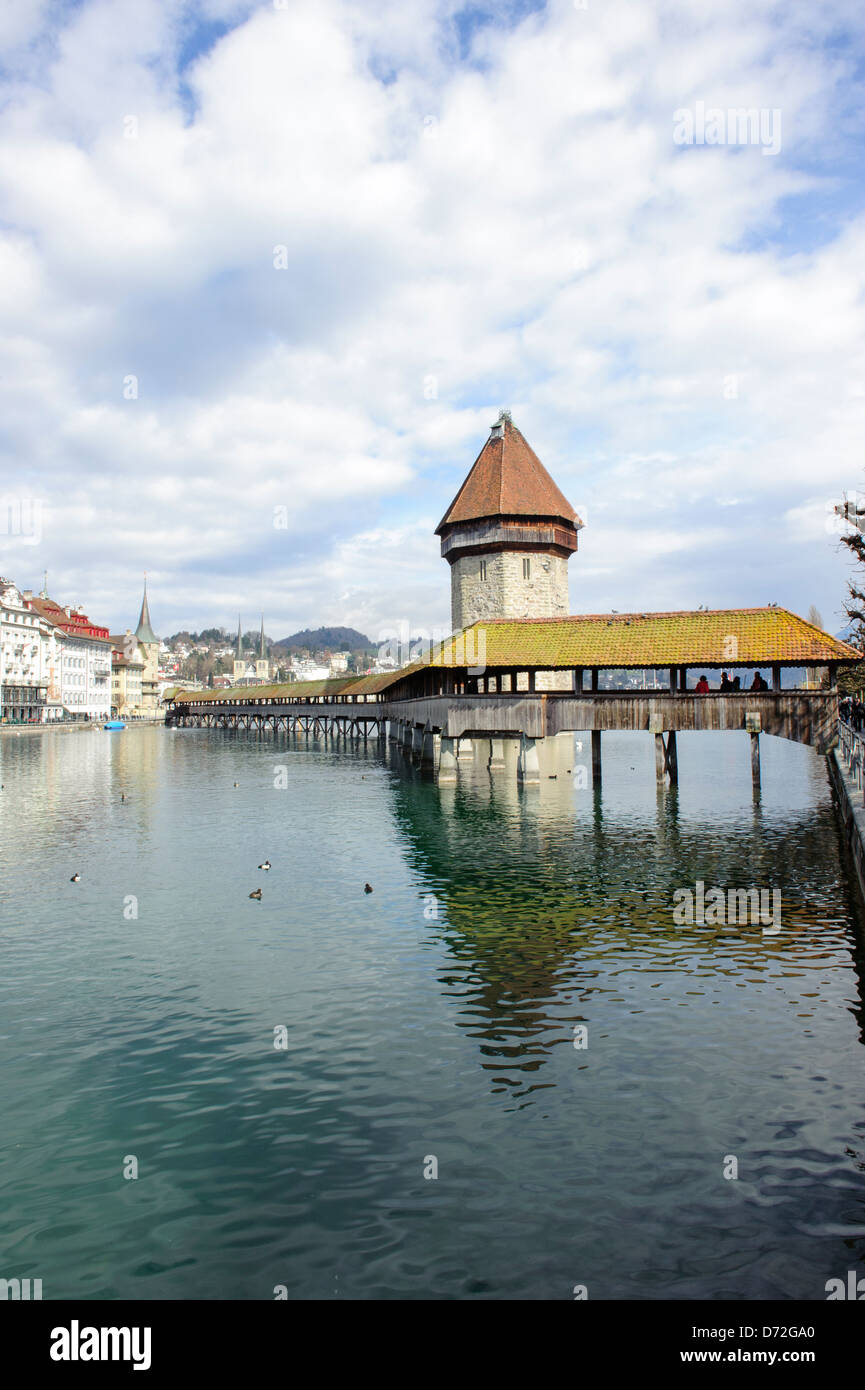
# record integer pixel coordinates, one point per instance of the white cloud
(467, 223)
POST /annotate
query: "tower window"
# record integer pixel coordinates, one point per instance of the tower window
(527, 568)
(483, 569)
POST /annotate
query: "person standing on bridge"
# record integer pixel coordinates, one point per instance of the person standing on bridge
(702, 686)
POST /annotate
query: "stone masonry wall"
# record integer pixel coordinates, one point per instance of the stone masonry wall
(505, 593)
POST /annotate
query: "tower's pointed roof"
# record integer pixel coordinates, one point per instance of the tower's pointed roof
(144, 632)
(239, 641)
(261, 644)
(507, 479)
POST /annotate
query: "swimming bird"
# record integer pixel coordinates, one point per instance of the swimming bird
(75, 878)
(256, 894)
(367, 887)
(265, 865)
(235, 784)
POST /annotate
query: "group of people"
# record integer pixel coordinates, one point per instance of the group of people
(728, 685)
(852, 711)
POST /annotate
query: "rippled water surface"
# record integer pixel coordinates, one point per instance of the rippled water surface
(434, 1017)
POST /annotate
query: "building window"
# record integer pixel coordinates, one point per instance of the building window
(527, 568)
(483, 569)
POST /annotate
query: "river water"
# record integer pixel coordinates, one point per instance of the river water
(286, 1075)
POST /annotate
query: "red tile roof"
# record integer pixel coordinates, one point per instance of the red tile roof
(74, 624)
(507, 479)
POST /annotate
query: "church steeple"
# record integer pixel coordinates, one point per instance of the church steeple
(144, 632)
(261, 644)
(239, 641)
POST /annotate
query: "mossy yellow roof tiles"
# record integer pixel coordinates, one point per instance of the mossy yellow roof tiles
(373, 684)
(715, 638)
(299, 690)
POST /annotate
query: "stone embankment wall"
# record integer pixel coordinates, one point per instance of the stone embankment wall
(851, 805)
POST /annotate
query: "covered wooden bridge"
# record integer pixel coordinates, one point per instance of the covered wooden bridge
(532, 679)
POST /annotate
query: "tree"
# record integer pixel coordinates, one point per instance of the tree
(852, 681)
(814, 617)
(816, 620)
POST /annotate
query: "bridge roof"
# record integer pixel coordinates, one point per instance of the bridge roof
(715, 638)
(301, 690)
(374, 684)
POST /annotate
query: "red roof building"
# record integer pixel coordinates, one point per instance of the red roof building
(72, 621)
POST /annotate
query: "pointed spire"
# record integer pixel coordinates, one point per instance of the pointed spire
(144, 632)
(239, 641)
(261, 644)
(508, 479)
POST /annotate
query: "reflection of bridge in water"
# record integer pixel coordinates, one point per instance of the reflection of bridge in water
(547, 906)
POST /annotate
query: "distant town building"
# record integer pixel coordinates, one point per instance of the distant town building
(251, 670)
(309, 671)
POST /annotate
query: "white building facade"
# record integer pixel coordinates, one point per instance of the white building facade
(23, 682)
(85, 677)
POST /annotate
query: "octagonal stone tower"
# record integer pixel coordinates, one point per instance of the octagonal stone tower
(508, 535)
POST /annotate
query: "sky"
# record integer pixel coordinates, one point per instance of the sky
(269, 271)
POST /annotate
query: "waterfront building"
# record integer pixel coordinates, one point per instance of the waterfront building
(23, 683)
(77, 656)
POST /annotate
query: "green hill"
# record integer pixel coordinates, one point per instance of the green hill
(333, 639)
